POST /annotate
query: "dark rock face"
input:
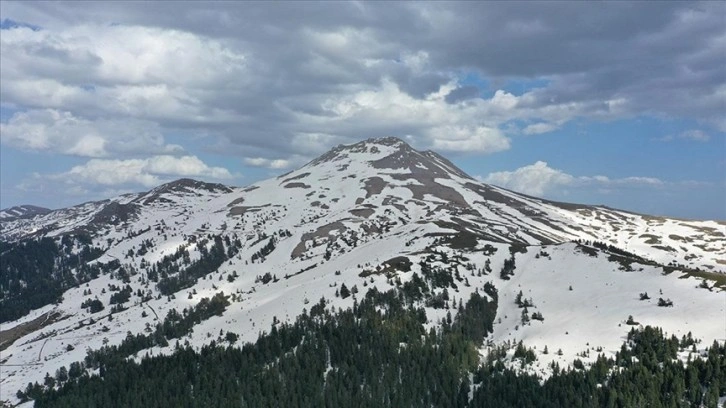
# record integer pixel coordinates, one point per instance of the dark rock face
(114, 213)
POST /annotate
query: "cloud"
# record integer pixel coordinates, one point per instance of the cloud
(694, 135)
(432, 122)
(267, 163)
(539, 179)
(539, 128)
(468, 139)
(121, 70)
(98, 179)
(119, 54)
(535, 179)
(54, 131)
(146, 172)
(462, 93)
(276, 71)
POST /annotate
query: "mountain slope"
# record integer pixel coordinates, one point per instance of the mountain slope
(374, 214)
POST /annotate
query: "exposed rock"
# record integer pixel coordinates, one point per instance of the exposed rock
(297, 185)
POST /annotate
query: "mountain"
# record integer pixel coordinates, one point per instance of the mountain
(387, 179)
(377, 213)
(22, 212)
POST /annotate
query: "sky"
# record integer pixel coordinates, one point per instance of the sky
(614, 103)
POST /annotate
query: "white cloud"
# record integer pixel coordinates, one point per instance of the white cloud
(187, 166)
(55, 131)
(142, 72)
(540, 179)
(146, 172)
(695, 135)
(539, 128)
(267, 163)
(535, 179)
(115, 54)
(465, 126)
(640, 180)
(468, 139)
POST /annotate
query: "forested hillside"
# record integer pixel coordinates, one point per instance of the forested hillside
(378, 354)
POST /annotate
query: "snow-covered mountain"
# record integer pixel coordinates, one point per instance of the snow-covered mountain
(377, 180)
(374, 213)
(21, 212)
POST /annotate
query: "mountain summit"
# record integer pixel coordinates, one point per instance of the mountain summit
(377, 213)
(393, 153)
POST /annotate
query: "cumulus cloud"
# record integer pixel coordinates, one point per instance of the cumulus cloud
(433, 122)
(538, 128)
(55, 131)
(267, 163)
(539, 179)
(535, 179)
(146, 172)
(115, 54)
(142, 72)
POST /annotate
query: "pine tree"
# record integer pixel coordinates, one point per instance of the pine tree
(344, 291)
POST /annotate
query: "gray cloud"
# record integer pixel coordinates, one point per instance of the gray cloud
(274, 81)
(463, 93)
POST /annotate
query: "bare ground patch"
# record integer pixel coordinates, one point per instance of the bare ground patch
(8, 337)
(241, 210)
(320, 233)
(362, 212)
(297, 185)
(374, 186)
(651, 239)
(299, 176)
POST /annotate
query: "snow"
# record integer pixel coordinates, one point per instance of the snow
(592, 315)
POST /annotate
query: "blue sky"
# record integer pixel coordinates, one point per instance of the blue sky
(621, 104)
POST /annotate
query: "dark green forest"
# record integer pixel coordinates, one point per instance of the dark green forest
(379, 354)
(35, 273)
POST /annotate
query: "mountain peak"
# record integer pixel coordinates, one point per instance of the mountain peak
(387, 141)
(187, 184)
(182, 187)
(391, 153)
